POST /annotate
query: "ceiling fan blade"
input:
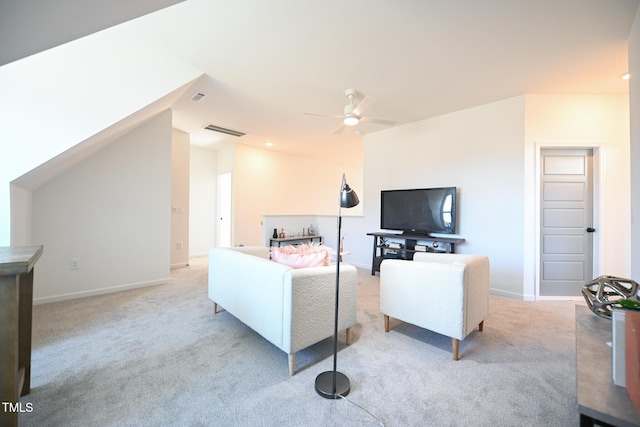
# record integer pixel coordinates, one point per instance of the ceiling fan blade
(362, 105)
(308, 113)
(379, 121)
(340, 129)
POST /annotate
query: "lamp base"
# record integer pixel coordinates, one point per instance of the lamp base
(324, 385)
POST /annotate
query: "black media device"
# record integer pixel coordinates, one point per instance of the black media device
(419, 211)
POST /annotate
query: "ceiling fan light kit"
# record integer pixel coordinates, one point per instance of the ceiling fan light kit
(351, 120)
(350, 116)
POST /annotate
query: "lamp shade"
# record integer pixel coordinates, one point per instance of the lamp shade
(348, 197)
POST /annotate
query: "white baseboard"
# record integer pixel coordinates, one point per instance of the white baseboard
(179, 265)
(561, 298)
(198, 254)
(101, 291)
(357, 265)
(512, 295)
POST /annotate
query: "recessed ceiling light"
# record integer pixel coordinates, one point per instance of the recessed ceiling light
(269, 144)
(626, 76)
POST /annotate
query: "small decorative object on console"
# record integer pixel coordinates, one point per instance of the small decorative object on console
(605, 292)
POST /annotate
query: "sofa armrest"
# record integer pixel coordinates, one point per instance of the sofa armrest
(250, 288)
(409, 281)
(424, 294)
(310, 304)
(259, 251)
(447, 258)
(446, 293)
(477, 278)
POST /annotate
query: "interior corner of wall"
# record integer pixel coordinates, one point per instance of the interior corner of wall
(20, 223)
(5, 216)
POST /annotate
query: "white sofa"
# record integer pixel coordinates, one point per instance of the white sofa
(445, 293)
(291, 308)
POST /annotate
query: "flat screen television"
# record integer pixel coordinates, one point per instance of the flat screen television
(419, 211)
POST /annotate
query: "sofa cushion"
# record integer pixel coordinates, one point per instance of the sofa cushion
(302, 256)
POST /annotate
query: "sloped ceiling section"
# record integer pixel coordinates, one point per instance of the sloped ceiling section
(66, 95)
(45, 172)
(59, 22)
(59, 106)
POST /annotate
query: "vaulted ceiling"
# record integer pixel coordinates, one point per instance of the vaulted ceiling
(265, 62)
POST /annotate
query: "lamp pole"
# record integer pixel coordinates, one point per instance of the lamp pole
(334, 384)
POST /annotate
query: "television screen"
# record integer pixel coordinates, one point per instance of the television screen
(421, 211)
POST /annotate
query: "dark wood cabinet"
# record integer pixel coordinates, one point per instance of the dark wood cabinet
(16, 301)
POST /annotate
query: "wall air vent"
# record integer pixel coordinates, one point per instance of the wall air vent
(197, 96)
(220, 129)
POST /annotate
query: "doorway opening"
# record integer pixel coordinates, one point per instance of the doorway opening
(223, 232)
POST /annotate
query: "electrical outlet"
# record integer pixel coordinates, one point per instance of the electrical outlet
(74, 264)
(179, 246)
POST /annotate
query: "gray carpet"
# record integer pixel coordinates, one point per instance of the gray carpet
(159, 357)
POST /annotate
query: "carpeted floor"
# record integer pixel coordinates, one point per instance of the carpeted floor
(159, 357)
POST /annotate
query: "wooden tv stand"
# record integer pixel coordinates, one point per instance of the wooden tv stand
(407, 246)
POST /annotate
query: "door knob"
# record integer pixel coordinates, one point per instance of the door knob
(590, 230)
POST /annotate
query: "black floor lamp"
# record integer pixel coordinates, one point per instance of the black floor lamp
(333, 384)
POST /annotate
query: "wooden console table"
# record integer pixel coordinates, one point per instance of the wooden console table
(16, 301)
(599, 399)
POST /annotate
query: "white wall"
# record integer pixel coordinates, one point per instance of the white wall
(267, 182)
(599, 121)
(111, 213)
(488, 152)
(202, 201)
(50, 89)
(478, 150)
(634, 101)
(21, 210)
(179, 199)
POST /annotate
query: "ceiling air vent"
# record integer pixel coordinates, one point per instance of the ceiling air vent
(224, 130)
(197, 96)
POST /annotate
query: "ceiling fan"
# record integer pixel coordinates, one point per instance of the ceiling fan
(353, 112)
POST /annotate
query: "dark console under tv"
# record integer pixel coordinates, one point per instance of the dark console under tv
(396, 250)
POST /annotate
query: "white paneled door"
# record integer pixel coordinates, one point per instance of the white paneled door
(566, 221)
